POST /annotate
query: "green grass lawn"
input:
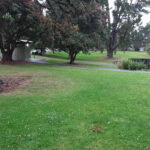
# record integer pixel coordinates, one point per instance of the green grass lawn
(97, 56)
(78, 63)
(89, 59)
(64, 61)
(67, 108)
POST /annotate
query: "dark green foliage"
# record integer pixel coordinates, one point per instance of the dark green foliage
(141, 66)
(77, 25)
(18, 18)
(131, 65)
(125, 64)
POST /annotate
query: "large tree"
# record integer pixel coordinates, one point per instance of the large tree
(125, 17)
(18, 18)
(76, 24)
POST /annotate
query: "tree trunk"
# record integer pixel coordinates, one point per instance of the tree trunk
(42, 51)
(109, 49)
(72, 57)
(109, 53)
(7, 56)
(109, 41)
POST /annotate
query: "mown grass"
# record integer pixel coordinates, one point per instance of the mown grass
(58, 61)
(65, 108)
(97, 56)
(82, 64)
(93, 59)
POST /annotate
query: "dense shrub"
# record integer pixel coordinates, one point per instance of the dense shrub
(131, 65)
(141, 66)
(125, 64)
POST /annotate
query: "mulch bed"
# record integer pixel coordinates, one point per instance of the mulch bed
(9, 84)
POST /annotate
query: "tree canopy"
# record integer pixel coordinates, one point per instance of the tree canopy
(19, 19)
(70, 26)
(77, 24)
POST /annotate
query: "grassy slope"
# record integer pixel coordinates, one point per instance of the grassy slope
(62, 106)
(62, 61)
(58, 60)
(97, 56)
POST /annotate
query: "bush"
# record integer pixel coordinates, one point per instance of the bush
(125, 64)
(131, 65)
(141, 66)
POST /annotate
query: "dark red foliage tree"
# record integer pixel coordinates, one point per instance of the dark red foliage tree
(76, 24)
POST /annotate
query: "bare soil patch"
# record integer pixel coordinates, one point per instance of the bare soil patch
(97, 129)
(106, 58)
(9, 84)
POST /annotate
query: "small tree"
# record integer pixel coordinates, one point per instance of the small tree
(71, 42)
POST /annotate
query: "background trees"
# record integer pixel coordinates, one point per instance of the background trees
(138, 38)
(126, 16)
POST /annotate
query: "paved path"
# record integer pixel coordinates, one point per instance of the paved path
(42, 61)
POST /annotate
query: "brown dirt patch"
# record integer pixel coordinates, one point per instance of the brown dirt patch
(97, 129)
(9, 84)
(106, 58)
(15, 63)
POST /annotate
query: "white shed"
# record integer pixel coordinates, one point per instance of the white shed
(22, 52)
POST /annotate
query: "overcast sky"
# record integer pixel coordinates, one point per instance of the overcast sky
(145, 18)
